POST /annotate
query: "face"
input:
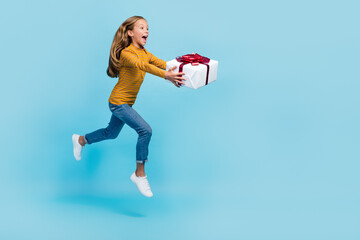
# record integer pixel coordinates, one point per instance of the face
(139, 34)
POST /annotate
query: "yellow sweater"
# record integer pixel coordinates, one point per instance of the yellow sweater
(134, 62)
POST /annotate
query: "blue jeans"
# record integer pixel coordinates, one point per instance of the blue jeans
(122, 114)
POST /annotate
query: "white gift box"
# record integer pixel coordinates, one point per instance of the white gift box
(195, 75)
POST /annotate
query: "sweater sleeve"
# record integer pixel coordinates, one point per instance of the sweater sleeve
(157, 61)
(128, 59)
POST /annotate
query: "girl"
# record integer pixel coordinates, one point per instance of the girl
(129, 61)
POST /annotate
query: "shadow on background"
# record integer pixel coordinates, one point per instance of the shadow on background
(126, 205)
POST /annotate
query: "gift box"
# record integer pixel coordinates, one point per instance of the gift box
(199, 71)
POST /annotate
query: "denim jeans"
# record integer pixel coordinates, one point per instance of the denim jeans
(122, 114)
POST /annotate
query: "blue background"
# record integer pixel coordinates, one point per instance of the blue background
(268, 151)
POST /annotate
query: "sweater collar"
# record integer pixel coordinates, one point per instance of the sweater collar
(135, 48)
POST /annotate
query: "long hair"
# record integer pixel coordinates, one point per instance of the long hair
(121, 41)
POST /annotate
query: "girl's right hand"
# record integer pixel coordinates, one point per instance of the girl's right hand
(175, 78)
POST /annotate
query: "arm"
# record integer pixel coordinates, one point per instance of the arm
(157, 61)
(130, 60)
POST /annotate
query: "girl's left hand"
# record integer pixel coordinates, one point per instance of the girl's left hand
(175, 78)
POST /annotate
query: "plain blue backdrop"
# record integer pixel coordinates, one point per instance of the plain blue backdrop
(268, 151)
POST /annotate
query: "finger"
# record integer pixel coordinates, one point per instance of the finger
(175, 83)
(174, 67)
(180, 82)
(179, 77)
(180, 73)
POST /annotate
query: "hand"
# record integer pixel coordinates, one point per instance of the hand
(175, 78)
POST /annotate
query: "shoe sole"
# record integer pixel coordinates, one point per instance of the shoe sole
(74, 141)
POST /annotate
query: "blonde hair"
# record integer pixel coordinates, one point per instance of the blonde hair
(121, 41)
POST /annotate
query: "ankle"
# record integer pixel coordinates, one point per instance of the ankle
(82, 141)
(140, 173)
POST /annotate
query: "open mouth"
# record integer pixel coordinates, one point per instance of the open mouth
(144, 37)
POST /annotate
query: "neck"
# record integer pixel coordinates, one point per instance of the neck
(137, 46)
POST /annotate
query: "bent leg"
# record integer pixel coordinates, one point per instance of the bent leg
(129, 116)
(110, 132)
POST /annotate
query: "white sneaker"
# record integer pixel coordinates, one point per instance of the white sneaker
(142, 184)
(77, 147)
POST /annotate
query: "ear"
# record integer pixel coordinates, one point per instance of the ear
(130, 33)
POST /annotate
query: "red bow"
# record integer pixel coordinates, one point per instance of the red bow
(194, 59)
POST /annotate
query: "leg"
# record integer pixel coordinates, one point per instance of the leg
(129, 116)
(110, 132)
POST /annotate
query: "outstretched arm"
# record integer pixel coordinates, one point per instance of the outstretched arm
(175, 78)
(157, 61)
(130, 60)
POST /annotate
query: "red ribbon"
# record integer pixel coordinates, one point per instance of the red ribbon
(194, 59)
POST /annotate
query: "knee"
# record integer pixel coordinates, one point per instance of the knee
(146, 131)
(112, 134)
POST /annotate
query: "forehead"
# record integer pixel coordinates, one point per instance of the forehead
(141, 22)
